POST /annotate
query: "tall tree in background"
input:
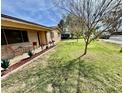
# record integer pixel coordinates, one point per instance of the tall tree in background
(74, 26)
(61, 25)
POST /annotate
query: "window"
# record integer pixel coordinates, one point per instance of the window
(13, 36)
(25, 36)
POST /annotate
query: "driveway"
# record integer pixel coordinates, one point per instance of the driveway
(117, 39)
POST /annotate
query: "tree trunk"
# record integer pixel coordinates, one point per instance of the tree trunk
(78, 78)
(85, 51)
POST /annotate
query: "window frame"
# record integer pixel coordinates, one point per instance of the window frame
(22, 35)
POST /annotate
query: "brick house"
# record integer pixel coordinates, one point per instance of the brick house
(18, 34)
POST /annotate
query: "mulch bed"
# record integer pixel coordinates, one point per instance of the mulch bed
(22, 62)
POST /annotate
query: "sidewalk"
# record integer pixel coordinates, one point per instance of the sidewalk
(112, 41)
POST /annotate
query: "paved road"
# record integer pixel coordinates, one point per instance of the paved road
(114, 39)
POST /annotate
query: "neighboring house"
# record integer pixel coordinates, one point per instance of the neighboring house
(65, 34)
(17, 33)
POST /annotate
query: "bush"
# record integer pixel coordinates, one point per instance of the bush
(30, 53)
(121, 50)
(5, 63)
(47, 46)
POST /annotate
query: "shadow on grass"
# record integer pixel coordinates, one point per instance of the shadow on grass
(60, 76)
(68, 77)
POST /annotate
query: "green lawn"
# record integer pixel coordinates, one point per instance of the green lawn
(100, 71)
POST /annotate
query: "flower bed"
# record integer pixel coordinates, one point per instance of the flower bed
(22, 62)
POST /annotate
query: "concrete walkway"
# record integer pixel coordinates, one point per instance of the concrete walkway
(112, 41)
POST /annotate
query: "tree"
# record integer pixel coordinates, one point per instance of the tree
(95, 17)
(61, 25)
(92, 14)
(114, 18)
(74, 26)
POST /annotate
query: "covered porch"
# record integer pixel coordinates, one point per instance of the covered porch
(19, 36)
(36, 42)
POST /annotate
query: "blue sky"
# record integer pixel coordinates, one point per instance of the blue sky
(39, 11)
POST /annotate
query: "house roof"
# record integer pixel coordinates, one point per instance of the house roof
(24, 21)
(18, 19)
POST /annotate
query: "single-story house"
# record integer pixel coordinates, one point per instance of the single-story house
(17, 33)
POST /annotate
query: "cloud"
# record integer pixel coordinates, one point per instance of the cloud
(38, 11)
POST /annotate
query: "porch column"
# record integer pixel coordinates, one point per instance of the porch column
(46, 37)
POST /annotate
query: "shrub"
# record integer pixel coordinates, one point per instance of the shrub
(5, 63)
(47, 46)
(121, 50)
(30, 53)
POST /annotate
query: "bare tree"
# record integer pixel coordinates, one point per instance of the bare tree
(92, 14)
(95, 17)
(114, 18)
(74, 26)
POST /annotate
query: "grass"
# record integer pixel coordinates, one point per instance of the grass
(100, 71)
